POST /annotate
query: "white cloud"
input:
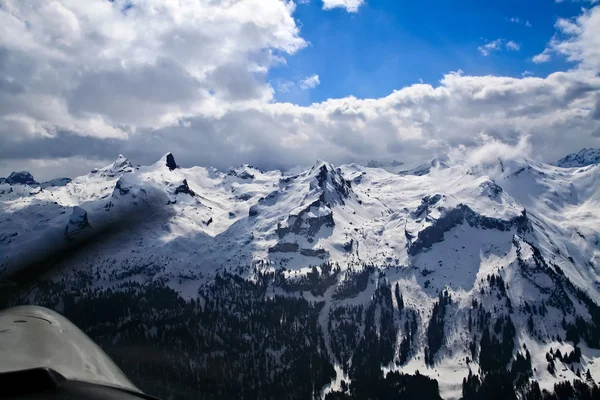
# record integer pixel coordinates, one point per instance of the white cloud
(542, 57)
(512, 46)
(488, 48)
(526, 73)
(285, 86)
(310, 83)
(489, 150)
(581, 41)
(578, 39)
(86, 81)
(498, 45)
(96, 65)
(349, 5)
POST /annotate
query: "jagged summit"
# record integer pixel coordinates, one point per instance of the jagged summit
(333, 187)
(582, 158)
(170, 161)
(244, 171)
(121, 163)
(120, 166)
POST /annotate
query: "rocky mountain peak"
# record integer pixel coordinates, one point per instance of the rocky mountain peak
(334, 188)
(119, 167)
(121, 163)
(21, 178)
(170, 161)
(582, 158)
(244, 171)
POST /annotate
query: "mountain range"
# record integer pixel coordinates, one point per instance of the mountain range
(441, 281)
(580, 159)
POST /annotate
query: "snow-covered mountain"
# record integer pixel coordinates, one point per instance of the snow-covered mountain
(25, 178)
(582, 158)
(456, 278)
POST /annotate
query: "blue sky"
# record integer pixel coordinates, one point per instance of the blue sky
(390, 44)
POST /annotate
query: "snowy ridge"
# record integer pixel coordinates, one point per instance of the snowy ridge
(510, 236)
(582, 158)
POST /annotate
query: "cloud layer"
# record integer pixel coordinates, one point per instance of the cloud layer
(81, 82)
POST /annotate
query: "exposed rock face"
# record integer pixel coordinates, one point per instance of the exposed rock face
(253, 211)
(77, 223)
(426, 202)
(122, 164)
(435, 233)
(305, 224)
(21, 178)
(580, 159)
(184, 188)
(334, 188)
(491, 189)
(121, 188)
(320, 253)
(243, 172)
(171, 162)
(119, 167)
(284, 248)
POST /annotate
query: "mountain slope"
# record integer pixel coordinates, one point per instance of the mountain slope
(478, 273)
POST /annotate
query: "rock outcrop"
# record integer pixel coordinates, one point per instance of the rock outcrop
(170, 162)
(184, 188)
(21, 178)
(461, 214)
(77, 223)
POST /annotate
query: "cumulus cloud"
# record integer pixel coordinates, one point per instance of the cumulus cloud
(349, 5)
(105, 66)
(491, 149)
(85, 81)
(578, 39)
(498, 45)
(490, 47)
(310, 83)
